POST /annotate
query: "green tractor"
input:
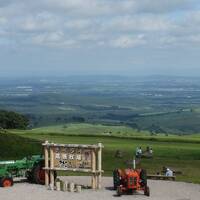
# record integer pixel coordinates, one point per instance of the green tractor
(30, 167)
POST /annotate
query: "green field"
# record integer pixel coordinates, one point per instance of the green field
(88, 129)
(80, 129)
(181, 153)
(15, 147)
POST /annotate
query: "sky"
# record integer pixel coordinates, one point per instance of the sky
(107, 37)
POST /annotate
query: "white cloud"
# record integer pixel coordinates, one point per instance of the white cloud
(116, 23)
(139, 23)
(80, 7)
(48, 38)
(40, 22)
(127, 41)
(164, 6)
(54, 39)
(78, 23)
(3, 20)
(109, 7)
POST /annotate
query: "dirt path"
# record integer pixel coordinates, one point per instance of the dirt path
(160, 190)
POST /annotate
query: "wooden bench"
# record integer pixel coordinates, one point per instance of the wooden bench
(160, 177)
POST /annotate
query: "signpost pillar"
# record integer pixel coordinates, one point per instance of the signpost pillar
(46, 157)
(51, 168)
(99, 167)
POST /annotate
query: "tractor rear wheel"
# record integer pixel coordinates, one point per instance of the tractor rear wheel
(6, 182)
(116, 179)
(38, 174)
(147, 191)
(143, 177)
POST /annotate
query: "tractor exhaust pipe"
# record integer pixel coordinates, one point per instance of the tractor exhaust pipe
(134, 164)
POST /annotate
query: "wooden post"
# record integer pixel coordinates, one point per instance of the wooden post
(51, 168)
(46, 157)
(93, 169)
(99, 167)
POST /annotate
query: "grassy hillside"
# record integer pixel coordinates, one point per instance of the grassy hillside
(80, 129)
(180, 153)
(89, 129)
(15, 147)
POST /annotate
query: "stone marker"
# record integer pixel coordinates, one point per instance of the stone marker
(64, 186)
(71, 187)
(58, 185)
(78, 188)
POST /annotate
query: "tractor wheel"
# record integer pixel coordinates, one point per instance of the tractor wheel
(147, 191)
(119, 191)
(116, 179)
(29, 176)
(6, 182)
(143, 177)
(38, 174)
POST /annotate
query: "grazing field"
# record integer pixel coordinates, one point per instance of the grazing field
(181, 153)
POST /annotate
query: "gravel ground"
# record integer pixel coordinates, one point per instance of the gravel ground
(160, 190)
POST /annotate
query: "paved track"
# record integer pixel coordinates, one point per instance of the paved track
(160, 190)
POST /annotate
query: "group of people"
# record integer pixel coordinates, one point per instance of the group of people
(139, 151)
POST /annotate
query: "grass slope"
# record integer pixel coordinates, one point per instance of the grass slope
(85, 129)
(88, 129)
(180, 153)
(15, 147)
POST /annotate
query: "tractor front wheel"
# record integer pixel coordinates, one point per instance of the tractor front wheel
(116, 179)
(147, 191)
(6, 182)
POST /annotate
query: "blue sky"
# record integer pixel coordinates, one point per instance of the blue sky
(126, 37)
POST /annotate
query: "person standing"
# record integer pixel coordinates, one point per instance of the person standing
(140, 151)
(151, 151)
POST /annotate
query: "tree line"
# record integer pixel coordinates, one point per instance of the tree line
(12, 120)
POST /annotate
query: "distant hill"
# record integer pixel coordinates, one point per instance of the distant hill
(158, 104)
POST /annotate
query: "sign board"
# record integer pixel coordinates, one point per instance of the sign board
(72, 158)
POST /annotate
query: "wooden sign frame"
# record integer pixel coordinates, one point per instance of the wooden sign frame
(53, 152)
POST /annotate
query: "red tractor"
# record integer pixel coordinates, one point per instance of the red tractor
(128, 181)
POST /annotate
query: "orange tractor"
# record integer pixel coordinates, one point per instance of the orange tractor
(128, 181)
